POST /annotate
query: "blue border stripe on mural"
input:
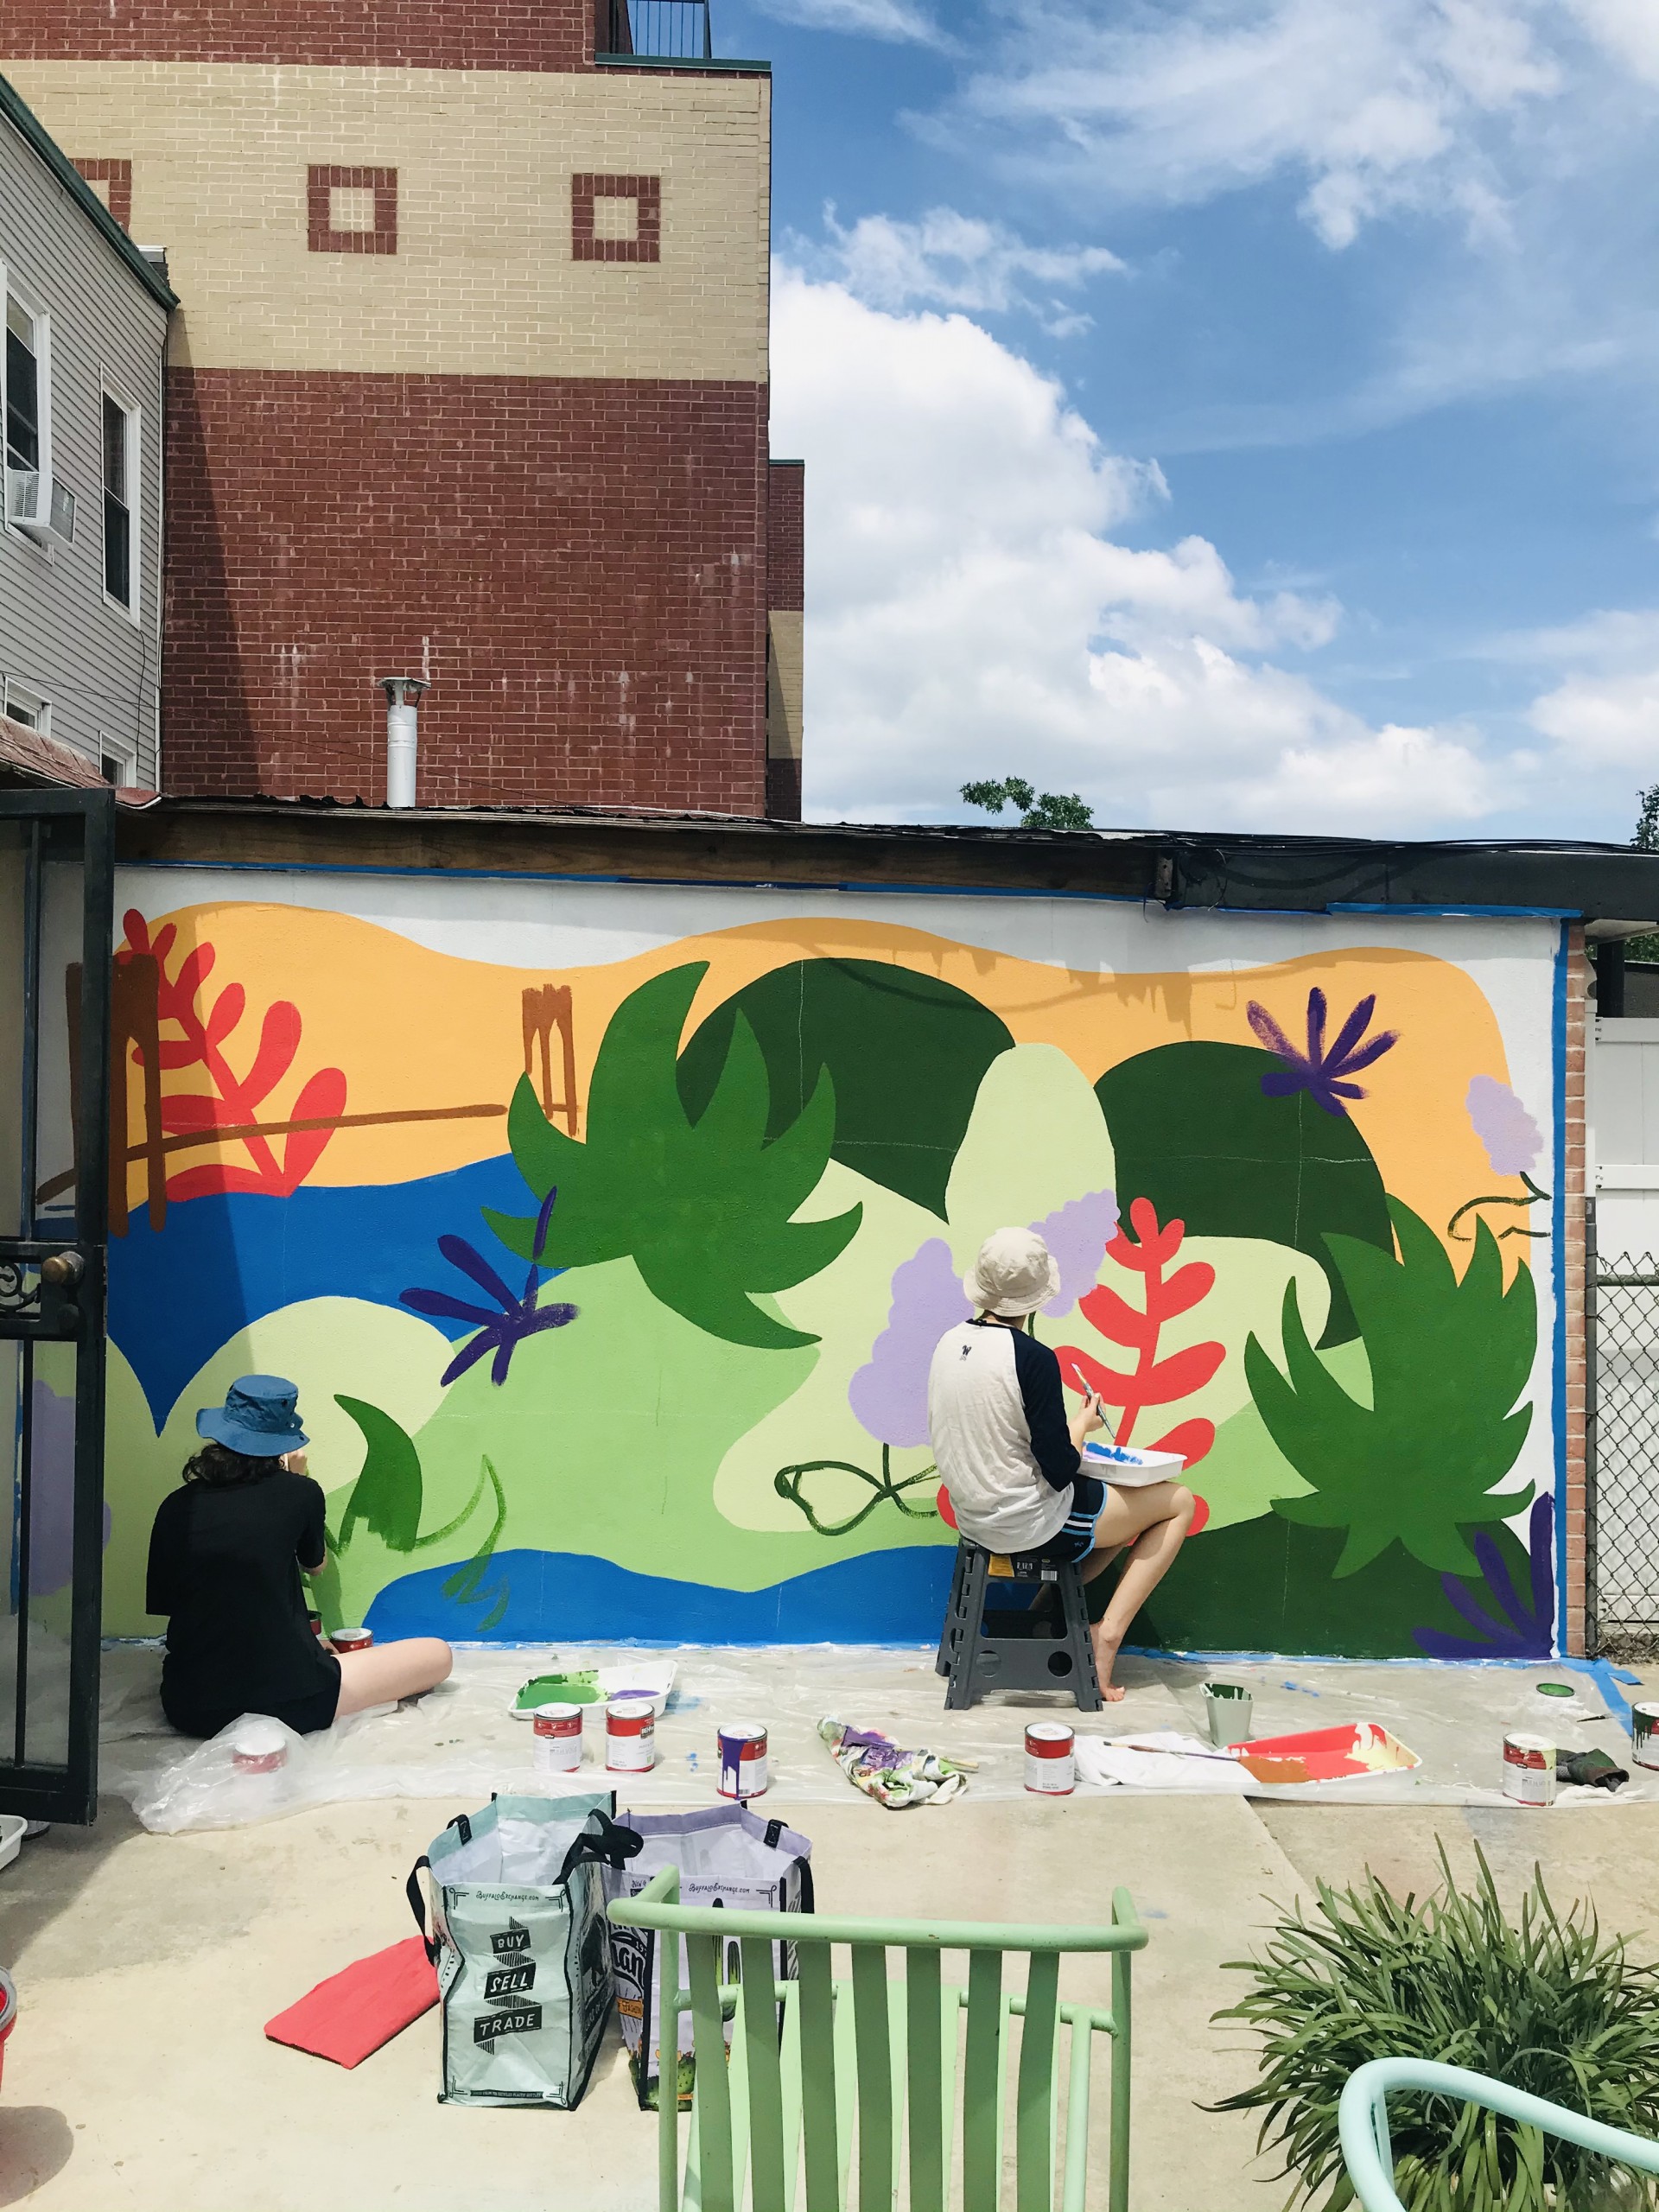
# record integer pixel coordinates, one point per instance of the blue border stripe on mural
(1558, 1278)
(1454, 914)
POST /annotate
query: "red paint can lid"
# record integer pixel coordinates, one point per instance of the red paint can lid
(1050, 1740)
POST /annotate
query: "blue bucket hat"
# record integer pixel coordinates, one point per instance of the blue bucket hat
(259, 1417)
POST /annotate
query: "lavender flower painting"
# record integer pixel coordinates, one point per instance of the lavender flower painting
(1514, 1144)
(888, 1394)
(1077, 1233)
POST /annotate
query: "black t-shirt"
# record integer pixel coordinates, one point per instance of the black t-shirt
(224, 1564)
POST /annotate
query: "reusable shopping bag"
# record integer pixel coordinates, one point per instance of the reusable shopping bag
(727, 1856)
(520, 1939)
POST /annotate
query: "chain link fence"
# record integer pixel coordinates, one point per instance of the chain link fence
(1623, 1399)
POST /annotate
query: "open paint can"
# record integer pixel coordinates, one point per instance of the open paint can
(7, 2011)
(1051, 1758)
(1644, 1734)
(742, 1761)
(351, 1639)
(558, 1739)
(1530, 1770)
(1227, 1709)
(315, 1619)
(258, 1747)
(630, 1735)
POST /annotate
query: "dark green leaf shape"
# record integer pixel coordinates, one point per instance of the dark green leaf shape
(1449, 1359)
(1267, 1584)
(702, 1206)
(386, 1497)
(906, 1052)
(1543, 2002)
(1193, 1133)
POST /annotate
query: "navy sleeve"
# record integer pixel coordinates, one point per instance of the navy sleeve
(161, 1582)
(1040, 1393)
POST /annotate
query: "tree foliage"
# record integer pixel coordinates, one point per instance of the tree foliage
(1044, 810)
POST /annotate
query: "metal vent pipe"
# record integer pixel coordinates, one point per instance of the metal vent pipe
(403, 735)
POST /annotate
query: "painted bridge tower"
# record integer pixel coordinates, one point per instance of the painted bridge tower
(469, 381)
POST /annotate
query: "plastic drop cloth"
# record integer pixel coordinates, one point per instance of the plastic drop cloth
(461, 1741)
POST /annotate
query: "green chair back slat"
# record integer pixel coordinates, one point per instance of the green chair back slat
(981, 2084)
(1033, 2136)
(763, 2072)
(868, 2071)
(816, 2008)
(716, 2189)
(929, 2138)
(874, 2044)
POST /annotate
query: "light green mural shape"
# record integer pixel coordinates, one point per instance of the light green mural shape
(1037, 1139)
(1244, 1471)
(324, 1345)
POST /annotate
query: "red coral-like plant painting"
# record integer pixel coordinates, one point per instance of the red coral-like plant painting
(229, 1111)
(1153, 1380)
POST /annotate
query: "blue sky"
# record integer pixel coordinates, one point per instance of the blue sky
(1242, 411)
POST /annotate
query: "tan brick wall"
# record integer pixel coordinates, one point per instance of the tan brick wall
(1573, 1536)
(484, 281)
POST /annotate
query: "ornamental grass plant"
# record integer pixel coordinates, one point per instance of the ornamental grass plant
(1545, 2003)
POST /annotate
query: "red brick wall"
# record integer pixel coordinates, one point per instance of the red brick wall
(1573, 1536)
(786, 535)
(349, 34)
(578, 563)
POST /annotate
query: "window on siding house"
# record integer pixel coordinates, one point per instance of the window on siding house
(22, 388)
(120, 439)
(118, 761)
(22, 705)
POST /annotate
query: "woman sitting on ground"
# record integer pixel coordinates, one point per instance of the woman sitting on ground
(1013, 1463)
(225, 1555)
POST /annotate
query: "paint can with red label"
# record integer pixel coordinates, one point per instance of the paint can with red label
(259, 1746)
(1051, 1758)
(558, 1738)
(1530, 1770)
(1644, 1735)
(353, 1639)
(742, 1761)
(630, 1735)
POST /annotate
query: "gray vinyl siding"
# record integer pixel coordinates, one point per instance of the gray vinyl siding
(60, 635)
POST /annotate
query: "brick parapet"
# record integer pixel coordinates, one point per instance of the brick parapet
(1572, 1321)
(524, 34)
(578, 563)
(786, 535)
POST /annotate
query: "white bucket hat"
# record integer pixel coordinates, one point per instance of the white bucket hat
(1014, 1274)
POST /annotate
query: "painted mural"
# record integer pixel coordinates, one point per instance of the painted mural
(608, 1231)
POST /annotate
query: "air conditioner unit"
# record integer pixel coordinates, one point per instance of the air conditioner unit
(39, 505)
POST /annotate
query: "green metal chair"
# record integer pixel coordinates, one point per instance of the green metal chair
(837, 2092)
(1363, 2121)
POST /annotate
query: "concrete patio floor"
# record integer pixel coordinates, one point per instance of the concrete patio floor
(138, 2076)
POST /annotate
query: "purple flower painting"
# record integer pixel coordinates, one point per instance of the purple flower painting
(518, 1318)
(1078, 1234)
(888, 1394)
(1513, 1139)
(1507, 1623)
(1322, 1070)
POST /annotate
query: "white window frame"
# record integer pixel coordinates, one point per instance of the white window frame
(45, 530)
(110, 390)
(124, 751)
(38, 705)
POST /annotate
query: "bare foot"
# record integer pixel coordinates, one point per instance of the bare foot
(1105, 1659)
(1112, 1692)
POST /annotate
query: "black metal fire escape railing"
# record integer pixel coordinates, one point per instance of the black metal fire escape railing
(663, 30)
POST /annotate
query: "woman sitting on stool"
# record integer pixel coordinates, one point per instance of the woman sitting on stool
(225, 1560)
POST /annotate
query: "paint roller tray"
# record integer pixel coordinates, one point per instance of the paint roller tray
(651, 1678)
(1358, 1748)
(1127, 1468)
(579, 1689)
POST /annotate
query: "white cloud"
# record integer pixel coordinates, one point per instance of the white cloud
(1377, 107)
(897, 20)
(1603, 713)
(972, 611)
(1628, 29)
(947, 260)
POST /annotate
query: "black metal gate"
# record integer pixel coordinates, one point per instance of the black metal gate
(56, 900)
(1622, 1450)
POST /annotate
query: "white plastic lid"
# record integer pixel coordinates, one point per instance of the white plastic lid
(257, 1738)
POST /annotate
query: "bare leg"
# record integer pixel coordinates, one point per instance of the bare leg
(1164, 1519)
(386, 1672)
